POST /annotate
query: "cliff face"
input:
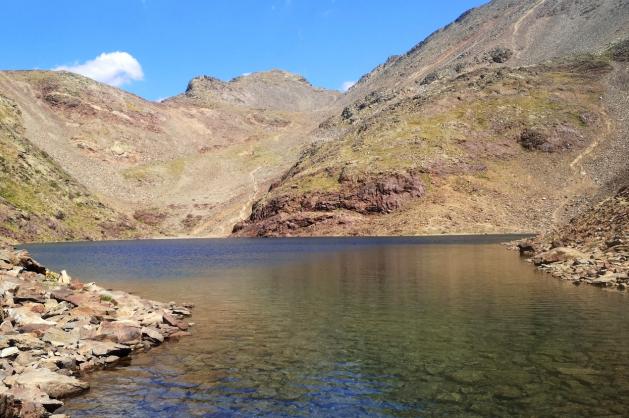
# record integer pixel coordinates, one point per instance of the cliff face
(510, 119)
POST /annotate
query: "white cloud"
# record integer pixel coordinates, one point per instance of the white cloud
(113, 68)
(347, 85)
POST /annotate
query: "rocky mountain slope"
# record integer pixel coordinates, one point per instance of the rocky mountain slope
(512, 118)
(39, 200)
(191, 165)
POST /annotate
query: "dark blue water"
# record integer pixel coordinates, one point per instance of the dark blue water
(440, 326)
(157, 259)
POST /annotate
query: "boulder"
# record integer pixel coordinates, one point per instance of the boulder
(8, 284)
(152, 318)
(24, 316)
(153, 334)
(181, 311)
(103, 348)
(51, 383)
(124, 332)
(25, 261)
(9, 352)
(170, 319)
(54, 308)
(605, 280)
(33, 293)
(61, 294)
(6, 327)
(26, 341)
(34, 401)
(60, 338)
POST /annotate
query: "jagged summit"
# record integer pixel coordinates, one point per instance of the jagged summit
(274, 74)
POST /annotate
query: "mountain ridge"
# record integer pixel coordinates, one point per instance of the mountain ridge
(511, 118)
(143, 158)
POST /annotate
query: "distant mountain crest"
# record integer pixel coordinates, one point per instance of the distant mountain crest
(274, 89)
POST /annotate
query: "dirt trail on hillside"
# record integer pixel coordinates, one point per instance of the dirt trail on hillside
(516, 29)
(582, 179)
(587, 151)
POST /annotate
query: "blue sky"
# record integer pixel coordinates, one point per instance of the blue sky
(165, 43)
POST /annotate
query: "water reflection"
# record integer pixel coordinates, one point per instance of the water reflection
(362, 327)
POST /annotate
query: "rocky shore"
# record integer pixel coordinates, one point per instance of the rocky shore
(54, 329)
(592, 248)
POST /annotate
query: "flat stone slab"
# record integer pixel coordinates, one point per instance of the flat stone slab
(53, 384)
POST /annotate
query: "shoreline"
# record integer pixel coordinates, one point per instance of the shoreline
(521, 235)
(55, 329)
(602, 267)
(592, 248)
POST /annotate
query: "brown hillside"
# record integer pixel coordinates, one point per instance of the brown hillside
(509, 119)
(189, 166)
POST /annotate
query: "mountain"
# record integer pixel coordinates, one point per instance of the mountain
(190, 165)
(511, 119)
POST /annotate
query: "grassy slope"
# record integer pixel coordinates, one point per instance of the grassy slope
(462, 136)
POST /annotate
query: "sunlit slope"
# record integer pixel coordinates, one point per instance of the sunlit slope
(509, 119)
(186, 166)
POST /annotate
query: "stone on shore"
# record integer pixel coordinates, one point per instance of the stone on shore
(60, 338)
(558, 254)
(53, 384)
(9, 352)
(125, 331)
(153, 334)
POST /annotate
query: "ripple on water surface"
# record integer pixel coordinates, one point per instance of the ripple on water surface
(346, 327)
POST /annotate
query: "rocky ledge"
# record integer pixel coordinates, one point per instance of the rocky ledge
(54, 329)
(592, 248)
(296, 212)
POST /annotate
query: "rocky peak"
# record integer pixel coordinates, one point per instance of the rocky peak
(274, 90)
(275, 74)
(204, 83)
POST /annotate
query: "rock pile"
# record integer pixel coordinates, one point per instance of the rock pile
(53, 329)
(592, 248)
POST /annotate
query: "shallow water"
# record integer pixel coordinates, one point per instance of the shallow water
(453, 326)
